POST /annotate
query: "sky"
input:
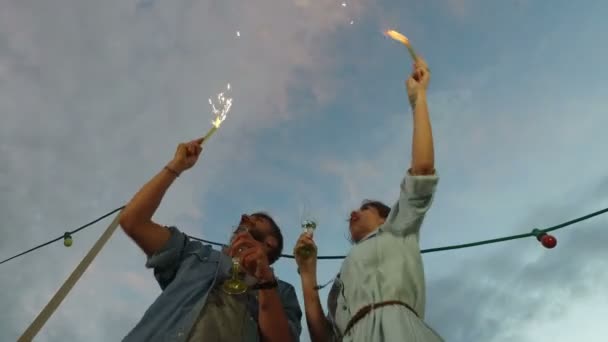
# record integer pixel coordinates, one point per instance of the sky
(96, 95)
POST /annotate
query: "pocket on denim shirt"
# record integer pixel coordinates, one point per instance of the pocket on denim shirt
(201, 263)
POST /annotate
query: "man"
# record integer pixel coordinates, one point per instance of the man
(192, 306)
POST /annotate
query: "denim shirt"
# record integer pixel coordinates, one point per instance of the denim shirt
(186, 272)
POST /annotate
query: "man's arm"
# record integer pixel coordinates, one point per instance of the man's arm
(136, 218)
(279, 316)
(276, 309)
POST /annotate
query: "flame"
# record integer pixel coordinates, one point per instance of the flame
(397, 36)
(220, 112)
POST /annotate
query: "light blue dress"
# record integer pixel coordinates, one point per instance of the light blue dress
(387, 265)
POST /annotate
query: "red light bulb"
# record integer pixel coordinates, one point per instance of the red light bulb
(548, 241)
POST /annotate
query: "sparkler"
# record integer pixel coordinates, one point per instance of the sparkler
(403, 39)
(224, 104)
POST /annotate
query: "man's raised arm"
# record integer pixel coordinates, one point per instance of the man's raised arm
(136, 218)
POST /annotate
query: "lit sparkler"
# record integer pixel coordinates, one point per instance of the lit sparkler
(224, 103)
(403, 39)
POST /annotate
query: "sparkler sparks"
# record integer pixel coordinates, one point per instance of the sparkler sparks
(344, 4)
(224, 104)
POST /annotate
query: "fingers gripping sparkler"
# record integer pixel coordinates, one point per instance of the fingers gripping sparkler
(223, 107)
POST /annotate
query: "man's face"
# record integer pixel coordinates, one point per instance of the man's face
(260, 229)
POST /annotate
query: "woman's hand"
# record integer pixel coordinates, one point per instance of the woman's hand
(307, 265)
(418, 81)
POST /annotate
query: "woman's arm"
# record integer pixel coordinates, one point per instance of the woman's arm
(318, 325)
(418, 186)
(423, 158)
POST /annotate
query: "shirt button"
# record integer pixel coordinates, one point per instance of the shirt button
(344, 307)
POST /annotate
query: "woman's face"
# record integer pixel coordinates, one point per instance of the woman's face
(364, 221)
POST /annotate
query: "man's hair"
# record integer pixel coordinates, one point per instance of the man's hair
(383, 209)
(275, 254)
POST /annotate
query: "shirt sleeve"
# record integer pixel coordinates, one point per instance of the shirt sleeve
(415, 199)
(167, 260)
(292, 310)
(331, 329)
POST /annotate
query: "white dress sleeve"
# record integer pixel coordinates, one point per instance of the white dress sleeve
(415, 199)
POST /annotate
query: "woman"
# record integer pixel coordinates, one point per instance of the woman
(379, 294)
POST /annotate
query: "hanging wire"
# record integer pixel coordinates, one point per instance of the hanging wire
(534, 233)
(62, 236)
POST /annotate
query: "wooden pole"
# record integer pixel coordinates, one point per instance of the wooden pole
(63, 291)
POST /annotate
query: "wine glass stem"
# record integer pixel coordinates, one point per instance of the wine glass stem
(235, 268)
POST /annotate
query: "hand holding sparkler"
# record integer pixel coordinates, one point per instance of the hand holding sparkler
(418, 81)
(185, 156)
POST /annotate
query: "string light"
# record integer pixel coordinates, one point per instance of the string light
(63, 236)
(548, 241)
(67, 239)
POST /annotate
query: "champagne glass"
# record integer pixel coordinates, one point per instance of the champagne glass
(308, 224)
(235, 284)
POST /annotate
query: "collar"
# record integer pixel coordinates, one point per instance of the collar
(370, 235)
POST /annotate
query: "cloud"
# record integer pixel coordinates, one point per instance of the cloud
(508, 295)
(96, 95)
(518, 287)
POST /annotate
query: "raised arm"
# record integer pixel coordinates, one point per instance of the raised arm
(136, 218)
(418, 186)
(423, 158)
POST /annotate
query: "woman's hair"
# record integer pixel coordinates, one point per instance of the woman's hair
(382, 208)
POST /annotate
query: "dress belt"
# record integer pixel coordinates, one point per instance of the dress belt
(369, 308)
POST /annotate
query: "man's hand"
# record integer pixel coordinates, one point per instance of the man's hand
(418, 81)
(253, 258)
(307, 266)
(186, 155)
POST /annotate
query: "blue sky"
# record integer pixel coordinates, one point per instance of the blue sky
(96, 95)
